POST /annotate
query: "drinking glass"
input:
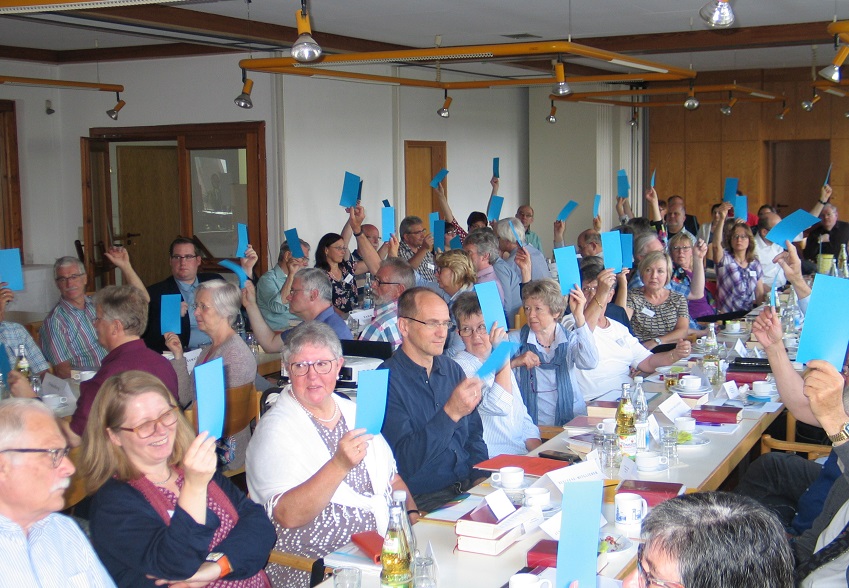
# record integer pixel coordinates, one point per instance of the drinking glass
(669, 443)
(347, 578)
(424, 573)
(354, 325)
(250, 339)
(611, 456)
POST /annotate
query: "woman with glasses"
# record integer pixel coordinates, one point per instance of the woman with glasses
(318, 478)
(658, 315)
(333, 256)
(739, 275)
(160, 510)
(455, 274)
(507, 426)
(216, 307)
(688, 276)
(549, 354)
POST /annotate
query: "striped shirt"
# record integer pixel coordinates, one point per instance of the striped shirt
(11, 336)
(68, 335)
(54, 553)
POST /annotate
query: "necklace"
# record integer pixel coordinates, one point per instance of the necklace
(165, 481)
(319, 419)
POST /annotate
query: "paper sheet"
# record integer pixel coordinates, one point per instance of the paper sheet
(491, 306)
(210, 400)
(612, 251)
(567, 210)
(169, 313)
(372, 387)
(350, 190)
(568, 273)
(294, 243)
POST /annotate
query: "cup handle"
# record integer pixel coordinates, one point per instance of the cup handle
(496, 477)
(664, 460)
(600, 426)
(63, 400)
(645, 508)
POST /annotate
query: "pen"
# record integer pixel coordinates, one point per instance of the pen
(700, 424)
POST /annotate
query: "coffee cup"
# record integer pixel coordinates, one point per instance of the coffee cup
(629, 509)
(732, 326)
(87, 375)
(690, 382)
(528, 581)
(509, 477)
(685, 424)
(607, 426)
(649, 461)
(700, 341)
(537, 497)
(54, 401)
(763, 388)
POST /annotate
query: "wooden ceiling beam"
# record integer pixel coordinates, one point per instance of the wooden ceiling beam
(142, 52)
(29, 54)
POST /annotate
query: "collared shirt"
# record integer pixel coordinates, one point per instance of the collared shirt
(539, 265)
(12, 335)
(487, 274)
(766, 253)
(274, 310)
(68, 334)
(837, 236)
(432, 451)
(329, 317)
(53, 554)
(506, 422)
(197, 337)
(736, 285)
(426, 268)
(509, 277)
(533, 239)
(384, 326)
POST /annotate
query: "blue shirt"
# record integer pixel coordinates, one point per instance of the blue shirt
(329, 317)
(431, 450)
(510, 278)
(197, 337)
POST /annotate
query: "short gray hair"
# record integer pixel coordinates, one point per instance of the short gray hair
(502, 229)
(67, 260)
(548, 291)
(284, 248)
(226, 298)
(314, 333)
(13, 412)
(697, 530)
(407, 223)
(125, 304)
(486, 242)
(313, 278)
(829, 206)
(402, 272)
(642, 241)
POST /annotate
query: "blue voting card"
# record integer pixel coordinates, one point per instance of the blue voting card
(596, 203)
(491, 306)
(515, 234)
(5, 367)
(350, 190)
(386, 203)
(439, 235)
(577, 549)
(11, 271)
(567, 269)
(496, 165)
(826, 331)
(241, 239)
(456, 242)
(372, 388)
(653, 176)
(294, 243)
(169, 314)
(387, 222)
(210, 400)
(434, 183)
(360, 191)
(790, 226)
(612, 250)
(741, 207)
(626, 240)
(493, 213)
(730, 190)
(828, 174)
(623, 187)
(567, 210)
(496, 360)
(236, 269)
(432, 218)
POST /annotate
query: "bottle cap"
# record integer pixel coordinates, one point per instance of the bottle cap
(638, 379)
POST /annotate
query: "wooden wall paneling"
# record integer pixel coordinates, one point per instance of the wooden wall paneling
(839, 120)
(773, 129)
(742, 159)
(668, 159)
(703, 124)
(704, 177)
(817, 123)
(743, 124)
(840, 174)
(666, 124)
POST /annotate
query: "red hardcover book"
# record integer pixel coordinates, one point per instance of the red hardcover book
(543, 554)
(370, 543)
(602, 408)
(717, 414)
(653, 492)
(533, 466)
(746, 377)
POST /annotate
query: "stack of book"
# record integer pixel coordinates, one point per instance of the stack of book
(481, 532)
(653, 492)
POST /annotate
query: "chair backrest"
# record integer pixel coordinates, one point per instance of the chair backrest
(76, 491)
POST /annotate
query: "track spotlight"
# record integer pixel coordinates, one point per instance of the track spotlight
(113, 113)
(560, 88)
(832, 72)
(243, 100)
(808, 105)
(691, 103)
(305, 48)
(634, 120)
(443, 112)
(785, 110)
(726, 108)
(551, 118)
(717, 14)
(48, 107)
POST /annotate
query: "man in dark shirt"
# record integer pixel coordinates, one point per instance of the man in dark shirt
(830, 233)
(431, 422)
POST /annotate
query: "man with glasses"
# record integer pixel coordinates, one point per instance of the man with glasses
(40, 547)
(394, 277)
(767, 251)
(431, 422)
(272, 289)
(526, 215)
(416, 248)
(67, 335)
(184, 280)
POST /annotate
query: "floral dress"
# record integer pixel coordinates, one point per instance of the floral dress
(345, 290)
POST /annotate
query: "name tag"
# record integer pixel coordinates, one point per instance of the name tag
(349, 278)
(620, 342)
(753, 274)
(647, 311)
(430, 266)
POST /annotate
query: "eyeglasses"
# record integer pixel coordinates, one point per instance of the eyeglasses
(201, 306)
(57, 455)
(148, 428)
(740, 237)
(647, 579)
(380, 282)
(677, 249)
(338, 247)
(467, 331)
(589, 290)
(67, 279)
(419, 232)
(431, 324)
(302, 368)
(179, 258)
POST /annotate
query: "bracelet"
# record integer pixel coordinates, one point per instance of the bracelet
(599, 303)
(358, 234)
(823, 203)
(413, 510)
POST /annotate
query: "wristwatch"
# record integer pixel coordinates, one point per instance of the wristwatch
(657, 340)
(843, 435)
(223, 562)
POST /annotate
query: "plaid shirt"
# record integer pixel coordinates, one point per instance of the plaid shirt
(426, 269)
(12, 335)
(68, 334)
(384, 326)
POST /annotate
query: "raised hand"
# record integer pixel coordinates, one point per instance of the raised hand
(700, 249)
(200, 461)
(248, 261)
(767, 329)
(119, 256)
(824, 389)
(463, 399)
(248, 295)
(352, 449)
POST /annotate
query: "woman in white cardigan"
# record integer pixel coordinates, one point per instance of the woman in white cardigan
(319, 479)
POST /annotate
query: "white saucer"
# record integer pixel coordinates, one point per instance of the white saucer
(661, 468)
(696, 441)
(526, 482)
(690, 392)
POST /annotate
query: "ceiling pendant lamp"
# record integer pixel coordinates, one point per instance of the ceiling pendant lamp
(113, 112)
(443, 112)
(551, 118)
(808, 105)
(832, 72)
(717, 14)
(243, 100)
(691, 103)
(560, 87)
(305, 48)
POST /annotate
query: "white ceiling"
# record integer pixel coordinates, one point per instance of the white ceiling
(415, 23)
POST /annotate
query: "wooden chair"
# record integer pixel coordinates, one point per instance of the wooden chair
(520, 319)
(813, 450)
(547, 433)
(316, 568)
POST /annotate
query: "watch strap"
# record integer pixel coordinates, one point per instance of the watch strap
(842, 435)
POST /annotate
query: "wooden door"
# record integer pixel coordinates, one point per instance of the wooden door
(97, 212)
(422, 161)
(798, 169)
(149, 206)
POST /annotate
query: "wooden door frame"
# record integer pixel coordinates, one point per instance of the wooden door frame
(13, 234)
(437, 164)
